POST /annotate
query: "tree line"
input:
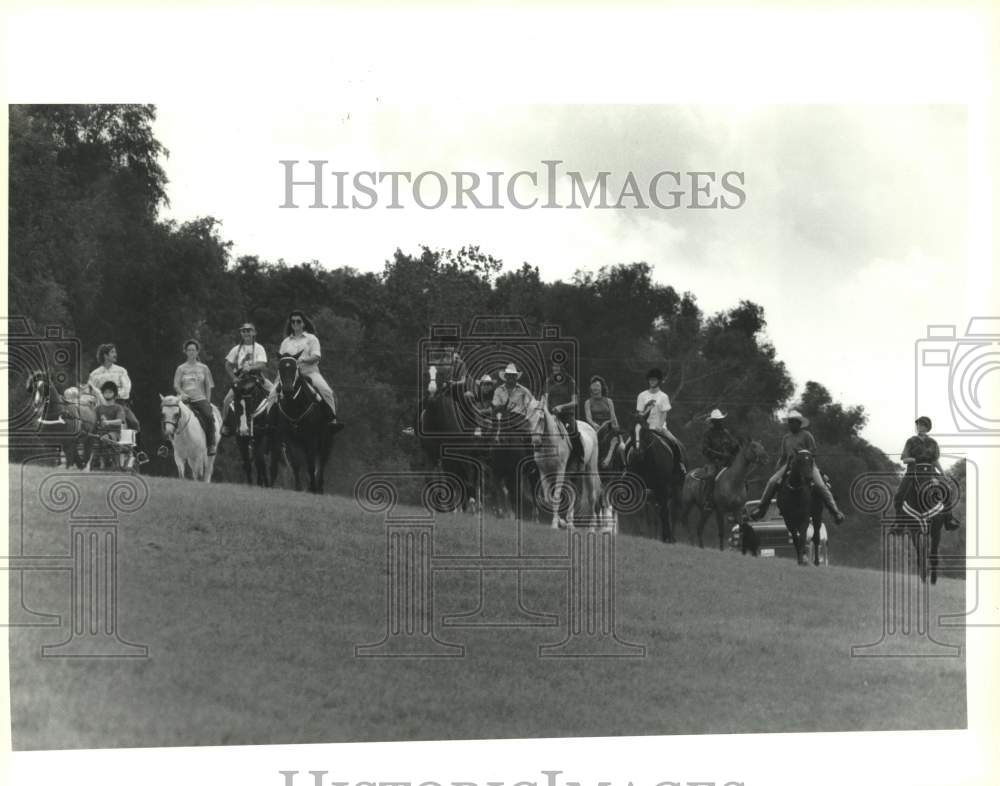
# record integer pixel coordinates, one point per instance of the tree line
(88, 251)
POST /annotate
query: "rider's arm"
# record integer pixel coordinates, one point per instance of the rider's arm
(177, 382)
(906, 458)
(209, 383)
(311, 354)
(587, 416)
(614, 417)
(231, 369)
(125, 388)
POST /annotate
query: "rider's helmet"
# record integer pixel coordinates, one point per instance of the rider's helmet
(923, 420)
(109, 385)
(654, 373)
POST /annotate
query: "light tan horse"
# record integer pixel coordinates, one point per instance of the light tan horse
(727, 497)
(552, 448)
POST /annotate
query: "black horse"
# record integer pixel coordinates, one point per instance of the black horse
(795, 500)
(651, 457)
(301, 423)
(445, 438)
(926, 509)
(247, 419)
(514, 474)
(67, 424)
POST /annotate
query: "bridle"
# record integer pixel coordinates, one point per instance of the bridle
(177, 427)
(802, 480)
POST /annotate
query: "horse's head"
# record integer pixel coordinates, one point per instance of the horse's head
(170, 415)
(752, 451)
(39, 387)
(800, 469)
(288, 371)
(536, 416)
(246, 385)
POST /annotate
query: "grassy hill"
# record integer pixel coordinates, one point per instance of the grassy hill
(252, 602)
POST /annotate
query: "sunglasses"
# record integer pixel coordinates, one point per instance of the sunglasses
(246, 330)
(295, 321)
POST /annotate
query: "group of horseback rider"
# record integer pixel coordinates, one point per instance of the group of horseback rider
(491, 397)
(193, 382)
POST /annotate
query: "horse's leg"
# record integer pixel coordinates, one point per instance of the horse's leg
(245, 451)
(180, 465)
(936, 526)
(720, 520)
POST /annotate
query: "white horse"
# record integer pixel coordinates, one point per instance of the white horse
(552, 448)
(183, 429)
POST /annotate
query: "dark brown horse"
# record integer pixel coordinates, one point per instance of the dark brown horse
(728, 495)
(795, 494)
(447, 440)
(301, 423)
(652, 459)
(68, 424)
(926, 510)
(247, 420)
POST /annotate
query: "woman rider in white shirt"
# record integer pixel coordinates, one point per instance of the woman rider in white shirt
(300, 337)
(108, 371)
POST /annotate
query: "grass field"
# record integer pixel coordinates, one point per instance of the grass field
(252, 602)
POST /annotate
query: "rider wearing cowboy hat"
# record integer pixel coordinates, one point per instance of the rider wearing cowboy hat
(481, 401)
(512, 396)
(795, 440)
(718, 447)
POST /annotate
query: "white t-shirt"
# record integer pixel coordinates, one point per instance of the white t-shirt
(243, 355)
(292, 345)
(657, 419)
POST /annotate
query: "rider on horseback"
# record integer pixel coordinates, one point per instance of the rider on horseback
(718, 447)
(300, 339)
(560, 392)
(247, 358)
(193, 382)
(654, 404)
(512, 398)
(599, 412)
(920, 449)
(481, 401)
(795, 440)
(108, 371)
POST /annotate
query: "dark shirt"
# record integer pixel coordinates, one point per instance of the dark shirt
(792, 443)
(718, 445)
(560, 389)
(923, 449)
(600, 410)
(111, 412)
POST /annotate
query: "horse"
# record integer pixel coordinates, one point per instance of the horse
(441, 428)
(300, 422)
(795, 500)
(652, 459)
(551, 447)
(728, 495)
(248, 422)
(926, 509)
(70, 424)
(512, 467)
(183, 430)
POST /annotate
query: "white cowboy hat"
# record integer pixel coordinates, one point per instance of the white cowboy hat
(511, 369)
(796, 415)
(716, 415)
(486, 378)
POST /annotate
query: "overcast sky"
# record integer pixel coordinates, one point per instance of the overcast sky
(852, 236)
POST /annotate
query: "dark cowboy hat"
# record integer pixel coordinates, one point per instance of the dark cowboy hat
(923, 420)
(654, 373)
